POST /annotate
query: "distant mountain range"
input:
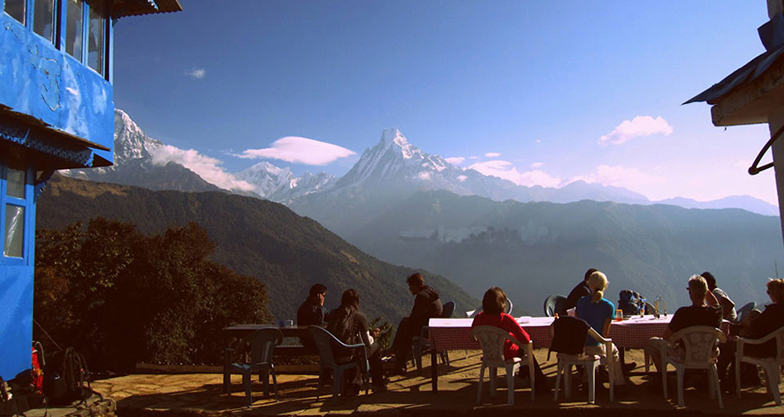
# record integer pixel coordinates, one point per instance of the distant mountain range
(392, 163)
(536, 249)
(286, 252)
(408, 207)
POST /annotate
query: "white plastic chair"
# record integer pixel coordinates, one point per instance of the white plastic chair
(492, 341)
(772, 365)
(699, 352)
(566, 360)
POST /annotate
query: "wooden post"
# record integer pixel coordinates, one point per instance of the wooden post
(775, 7)
(775, 121)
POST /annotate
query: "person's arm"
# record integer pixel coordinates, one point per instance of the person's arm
(711, 299)
(606, 328)
(363, 327)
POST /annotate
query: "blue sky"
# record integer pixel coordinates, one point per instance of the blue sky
(537, 92)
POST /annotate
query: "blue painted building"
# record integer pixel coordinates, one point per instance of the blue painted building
(56, 112)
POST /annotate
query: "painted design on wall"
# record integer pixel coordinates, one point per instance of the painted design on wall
(53, 87)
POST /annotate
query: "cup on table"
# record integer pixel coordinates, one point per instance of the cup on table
(286, 323)
(572, 312)
(618, 315)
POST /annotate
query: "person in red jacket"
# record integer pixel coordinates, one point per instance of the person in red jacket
(493, 306)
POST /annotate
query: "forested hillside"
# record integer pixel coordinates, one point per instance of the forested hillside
(286, 252)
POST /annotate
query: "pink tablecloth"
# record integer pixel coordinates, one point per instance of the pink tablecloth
(455, 334)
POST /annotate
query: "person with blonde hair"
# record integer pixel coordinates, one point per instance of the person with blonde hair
(598, 312)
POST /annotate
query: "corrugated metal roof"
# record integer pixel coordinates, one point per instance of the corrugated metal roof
(123, 8)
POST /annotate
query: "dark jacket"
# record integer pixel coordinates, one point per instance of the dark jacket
(578, 292)
(310, 313)
(769, 321)
(427, 305)
(349, 325)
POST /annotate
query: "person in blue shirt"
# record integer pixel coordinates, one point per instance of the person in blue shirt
(599, 312)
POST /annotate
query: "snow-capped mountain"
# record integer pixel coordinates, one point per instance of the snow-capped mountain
(397, 165)
(280, 184)
(134, 163)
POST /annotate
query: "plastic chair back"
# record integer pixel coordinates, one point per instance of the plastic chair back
(324, 340)
(262, 344)
(449, 308)
(554, 304)
(492, 341)
(699, 343)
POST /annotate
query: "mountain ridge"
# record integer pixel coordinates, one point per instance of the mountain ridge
(260, 238)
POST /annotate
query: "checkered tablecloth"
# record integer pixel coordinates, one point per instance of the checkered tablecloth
(455, 334)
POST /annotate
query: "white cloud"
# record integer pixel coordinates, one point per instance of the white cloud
(461, 178)
(208, 168)
(492, 154)
(639, 126)
(507, 171)
(299, 150)
(455, 160)
(618, 176)
(196, 73)
(473, 157)
(538, 141)
(537, 164)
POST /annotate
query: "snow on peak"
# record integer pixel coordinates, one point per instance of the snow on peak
(395, 157)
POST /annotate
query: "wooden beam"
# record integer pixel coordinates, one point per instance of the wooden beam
(754, 102)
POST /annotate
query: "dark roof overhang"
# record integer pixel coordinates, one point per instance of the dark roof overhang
(124, 8)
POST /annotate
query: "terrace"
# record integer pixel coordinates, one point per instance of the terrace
(181, 394)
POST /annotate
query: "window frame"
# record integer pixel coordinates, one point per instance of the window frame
(59, 32)
(28, 203)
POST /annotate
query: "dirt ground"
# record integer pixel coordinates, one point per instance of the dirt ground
(201, 394)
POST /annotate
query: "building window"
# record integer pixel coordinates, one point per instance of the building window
(43, 18)
(85, 27)
(96, 50)
(14, 211)
(73, 28)
(14, 231)
(16, 9)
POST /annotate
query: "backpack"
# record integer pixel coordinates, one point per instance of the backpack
(632, 303)
(38, 365)
(569, 334)
(65, 375)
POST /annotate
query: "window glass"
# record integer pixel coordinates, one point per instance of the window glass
(43, 18)
(14, 231)
(95, 49)
(73, 29)
(16, 183)
(16, 9)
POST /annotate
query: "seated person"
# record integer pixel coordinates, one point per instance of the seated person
(493, 306)
(427, 305)
(725, 302)
(703, 311)
(351, 327)
(766, 323)
(599, 312)
(311, 312)
(578, 292)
